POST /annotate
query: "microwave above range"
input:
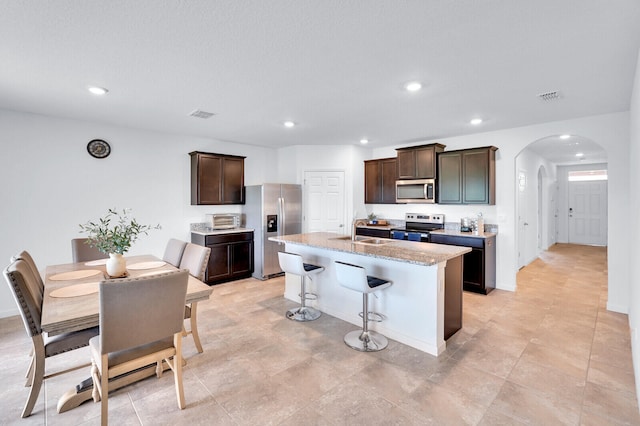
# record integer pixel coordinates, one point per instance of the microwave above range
(416, 191)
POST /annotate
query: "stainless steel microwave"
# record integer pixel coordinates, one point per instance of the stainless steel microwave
(416, 191)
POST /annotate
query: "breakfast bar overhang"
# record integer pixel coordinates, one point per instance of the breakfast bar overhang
(421, 308)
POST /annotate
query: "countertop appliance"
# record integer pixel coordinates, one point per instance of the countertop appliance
(417, 227)
(416, 191)
(271, 209)
(223, 220)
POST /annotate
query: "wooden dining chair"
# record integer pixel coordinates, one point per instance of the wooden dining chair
(173, 251)
(195, 258)
(28, 295)
(83, 252)
(24, 255)
(141, 321)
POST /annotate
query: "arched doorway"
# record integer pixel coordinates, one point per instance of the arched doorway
(542, 202)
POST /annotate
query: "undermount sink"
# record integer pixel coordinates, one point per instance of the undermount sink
(365, 240)
(374, 241)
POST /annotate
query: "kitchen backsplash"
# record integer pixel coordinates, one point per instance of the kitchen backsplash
(202, 226)
(455, 226)
(450, 226)
(393, 223)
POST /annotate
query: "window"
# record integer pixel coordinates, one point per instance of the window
(584, 175)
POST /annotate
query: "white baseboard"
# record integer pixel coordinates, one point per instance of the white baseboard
(8, 313)
(617, 308)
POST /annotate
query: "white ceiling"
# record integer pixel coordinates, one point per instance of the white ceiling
(335, 67)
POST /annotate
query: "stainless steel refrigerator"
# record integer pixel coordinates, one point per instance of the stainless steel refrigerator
(271, 209)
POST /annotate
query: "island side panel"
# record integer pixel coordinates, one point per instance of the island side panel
(413, 305)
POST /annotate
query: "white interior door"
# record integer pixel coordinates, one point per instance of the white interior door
(324, 201)
(552, 236)
(541, 206)
(588, 212)
(523, 224)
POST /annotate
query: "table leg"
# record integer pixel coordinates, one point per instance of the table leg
(83, 392)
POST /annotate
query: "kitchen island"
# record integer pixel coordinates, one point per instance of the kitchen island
(422, 307)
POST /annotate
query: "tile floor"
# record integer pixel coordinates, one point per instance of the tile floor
(549, 353)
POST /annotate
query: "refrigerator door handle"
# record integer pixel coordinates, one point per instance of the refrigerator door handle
(280, 217)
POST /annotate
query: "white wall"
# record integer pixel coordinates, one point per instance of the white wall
(49, 184)
(634, 231)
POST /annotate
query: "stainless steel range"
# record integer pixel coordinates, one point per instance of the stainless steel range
(417, 227)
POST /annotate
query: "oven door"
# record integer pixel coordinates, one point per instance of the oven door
(398, 234)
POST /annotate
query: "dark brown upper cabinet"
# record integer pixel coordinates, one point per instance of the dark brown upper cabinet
(467, 176)
(380, 181)
(216, 178)
(418, 162)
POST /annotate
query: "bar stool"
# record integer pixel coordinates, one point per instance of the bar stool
(293, 264)
(356, 278)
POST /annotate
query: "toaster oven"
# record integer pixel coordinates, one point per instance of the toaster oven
(224, 220)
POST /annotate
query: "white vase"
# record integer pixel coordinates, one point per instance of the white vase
(116, 265)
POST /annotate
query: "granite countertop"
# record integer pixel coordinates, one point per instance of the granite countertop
(403, 251)
(210, 231)
(457, 233)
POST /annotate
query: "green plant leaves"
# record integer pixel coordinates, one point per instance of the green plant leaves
(115, 232)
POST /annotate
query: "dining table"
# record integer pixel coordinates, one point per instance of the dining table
(71, 303)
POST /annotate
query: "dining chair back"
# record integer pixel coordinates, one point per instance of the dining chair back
(28, 296)
(141, 322)
(24, 255)
(173, 251)
(83, 252)
(195, 258)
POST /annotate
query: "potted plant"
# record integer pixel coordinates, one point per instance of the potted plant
(113, 234)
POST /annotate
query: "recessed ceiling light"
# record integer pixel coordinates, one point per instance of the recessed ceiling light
(289, 124)
(97, 90)
(476, 121)
(565, 136)
(579, 154)
(364, 141)
(413, 86)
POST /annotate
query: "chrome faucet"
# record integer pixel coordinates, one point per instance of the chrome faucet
(354, 225)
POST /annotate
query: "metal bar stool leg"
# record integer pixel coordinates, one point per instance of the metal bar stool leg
(304, 312)
(365, 340)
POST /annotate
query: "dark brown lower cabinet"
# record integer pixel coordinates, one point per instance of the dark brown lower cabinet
(231, 256)
(479, 273)
(453, 296)
(372, 232)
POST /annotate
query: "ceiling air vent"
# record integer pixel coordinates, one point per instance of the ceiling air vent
(201, 114)
(550, 96)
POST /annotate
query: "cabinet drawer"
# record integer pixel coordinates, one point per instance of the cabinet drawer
(457, 240)
(228, 238)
